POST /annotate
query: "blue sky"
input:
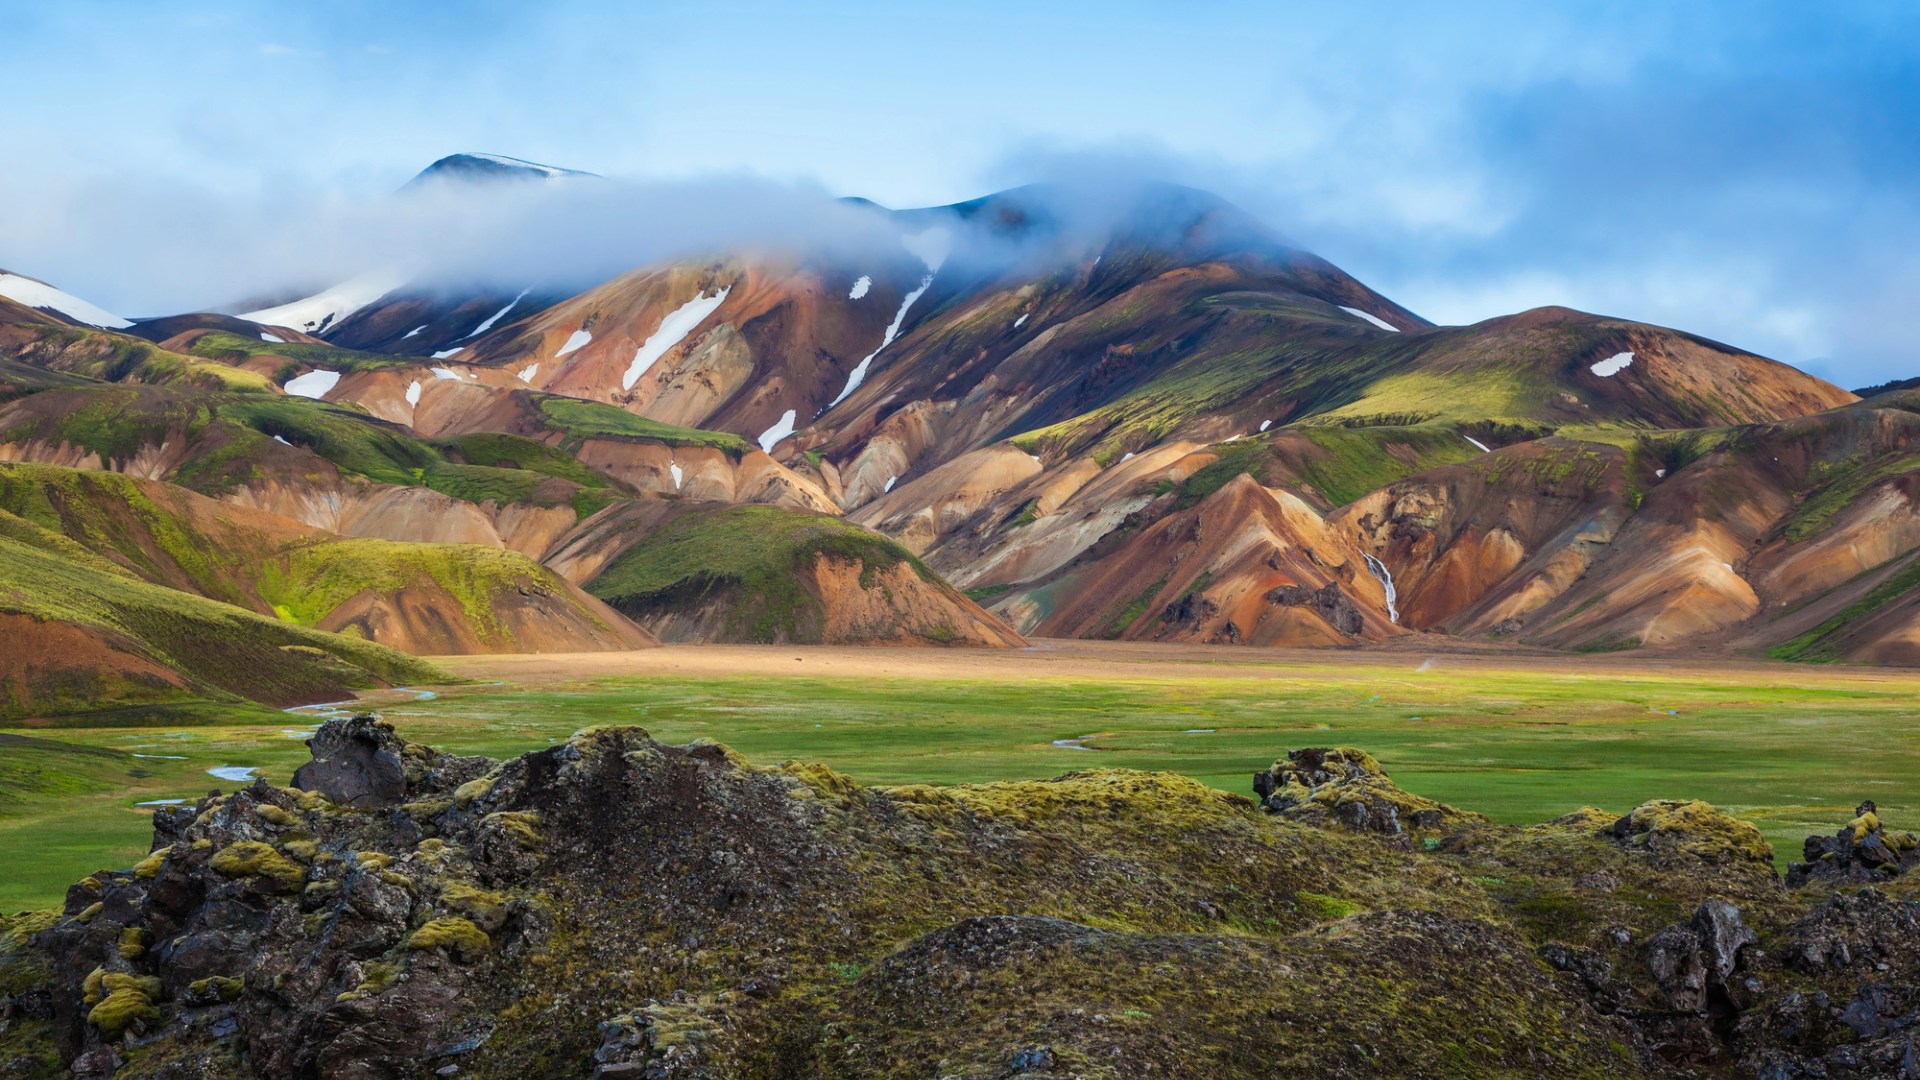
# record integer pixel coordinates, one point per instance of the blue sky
(1744, 171)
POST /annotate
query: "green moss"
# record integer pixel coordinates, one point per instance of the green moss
(478, 905)
(251, 858)
(121, 1009)
(1695, 830)
(378, 976)
(216, 988)
(1326, 908)
(453, 933)
(522, 825)
(473, 790)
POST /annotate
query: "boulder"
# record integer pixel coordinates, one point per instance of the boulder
(1863, 852)
(1348, 788)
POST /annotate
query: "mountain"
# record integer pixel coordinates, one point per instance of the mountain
(472, 168)
(1142, 416)
(37, 294)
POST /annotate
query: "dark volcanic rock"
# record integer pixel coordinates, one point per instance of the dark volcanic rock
(1863, 852)
(1328, 602)
(1347, 787)
(361, 763)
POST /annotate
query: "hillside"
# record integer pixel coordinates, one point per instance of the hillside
(425, 599)
(761, 574)
(84, 637)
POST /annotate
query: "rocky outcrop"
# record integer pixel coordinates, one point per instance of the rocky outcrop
(1863, 852)
(1347, 787)
(360, 763)
(616, 907)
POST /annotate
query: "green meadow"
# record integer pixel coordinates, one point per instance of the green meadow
(1791, 748)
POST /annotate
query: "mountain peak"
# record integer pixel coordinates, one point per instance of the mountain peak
(469, 167)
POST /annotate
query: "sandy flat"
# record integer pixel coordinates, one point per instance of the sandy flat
(1115, 660)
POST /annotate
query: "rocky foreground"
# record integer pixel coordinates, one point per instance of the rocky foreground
(615, 907)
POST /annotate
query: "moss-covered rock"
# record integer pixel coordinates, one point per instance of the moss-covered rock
(453, 933)
(254, 859)
(1688, 829)
(1347, 787)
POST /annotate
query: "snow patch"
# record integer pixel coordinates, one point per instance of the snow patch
(527, 373)
(551, 172)
(444, 353)
(281, 441)
(413, 394)
(495, 317)
(1126, 455)
(39, 294)
(1265, 424)
(891, 480)
(325, 310)
(1379, 570)
(314, 384)
(1659, 474)
(1374, 319)
(264, 336)
(674, 468)
(932, 246)
(771, 437)
(1021, 321)
(1613, 365)
(674, 329)
(575, 341)
(859, 373)
(1484, 448)
(860, 287)
(446, 373)
(413, 331)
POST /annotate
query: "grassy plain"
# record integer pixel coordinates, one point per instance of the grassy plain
(1521, 738)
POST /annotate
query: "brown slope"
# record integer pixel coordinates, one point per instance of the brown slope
(1246, 565)
(1486, 542)
(448, 400)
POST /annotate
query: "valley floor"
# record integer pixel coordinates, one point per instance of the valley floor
(1520, 736)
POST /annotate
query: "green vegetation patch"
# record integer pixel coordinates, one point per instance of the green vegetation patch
(1826, 643)
(583, 419)
(229, 348)
(749, 558)
(220, 651)
(307, 583)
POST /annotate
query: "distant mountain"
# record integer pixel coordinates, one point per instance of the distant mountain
(1137, 414)
(487, 168)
